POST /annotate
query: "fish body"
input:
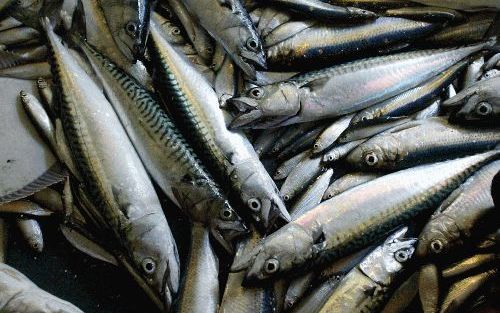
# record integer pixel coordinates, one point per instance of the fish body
(120, 188)
(312, 196)
(358, 217)
(430, 140)
(465, 5)
(345, 88)
(347, 182)
(330, 135)
(228, 153)
(326, 42)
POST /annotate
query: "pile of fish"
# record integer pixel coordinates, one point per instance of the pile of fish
(342, 155)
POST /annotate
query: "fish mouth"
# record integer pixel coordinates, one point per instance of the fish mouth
(249, 62)
(248, 112)
(138, 50)
(226, 234)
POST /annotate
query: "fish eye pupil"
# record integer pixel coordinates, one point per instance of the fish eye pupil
(131, 28)
(227, 213)
(271, 266)
(176, 31)
(252, 44)
(483, 108)
(148, 265)
(371, 159)
(436, 246)
(401, 256)
(256, 92)
(254, 204)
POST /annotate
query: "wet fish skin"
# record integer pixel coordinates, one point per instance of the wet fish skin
(298, 179)
(473, 72)
(270, 19)
(321, 235)
(412, 100)
(463, 216)
(347, 182)
(325, 11)
(469, 264)
(19, 294)
(30, 71)
(403, 296)
(230, 154)
(289, 136)
(287, 166)
(328, 137)
(429, 287)
(264, 142)
(315, 300)
(340, 151)
(132, 211)
(368, 285)
(9, 22)
(286, 31)
(433, 14)
(18, 35)
(327, 42)
(32, 233)
(233, 29)
(413, 143)
(304, 142)
(329, 92)
(312, 196)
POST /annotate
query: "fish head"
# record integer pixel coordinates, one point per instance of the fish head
(439, 236)
(128, 22)
(478, 111)
(154, 259)
(259, 194)
(276, 254)
(226, 226)
(263, 103)
(373, 154)
(387, 260)
(246, 49)
(363, 116)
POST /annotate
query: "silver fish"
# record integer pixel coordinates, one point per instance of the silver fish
(286, 31)
(466, 5)
(331, 134)
(344, 223)
(347, 182)
(298, 179)
(285, 168)
(312, 196)
(340, 151)
(32, 233)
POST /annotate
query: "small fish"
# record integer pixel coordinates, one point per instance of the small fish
(298, 179)
(403, 296)
(315, 300)
(418, 142)
(330, 135)
(469, 264)
(312, 196)
(128, 22)
(287, 166)
(347, 182)
(474, 72)
(433, 14)
(265, 141)
(19, 294)
(428, 288)
(32, 233)
(341, 151)
(18, 35)
(286, 31)
(465, 5)
(30, 71)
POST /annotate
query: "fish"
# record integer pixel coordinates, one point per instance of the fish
(18, 35)
(469, 264)
(19, 294)
(368, 284)
(120, 188)
(285, 168)
(270, 19)
(264, 142)
(286, 31)
(32, 233)
(228, 22)
(325, 11)
(343, 224)
(304, 142)
(128, 22)
(28, 71)
(465, 5)
(299, 178)
(340, 151)
(229, 154)
(289, 136)
(402, 296)
(315, 300)
(429, 288)
(329, 92)
(24, 208)
(165, 152)
(312, 196)
(474, 72)
(432, 14)
(465, 214)
(9, 22)
(413, 143)
(337, 43)
(347, 182)
(330, 135)
(412, 100)
(49, 199)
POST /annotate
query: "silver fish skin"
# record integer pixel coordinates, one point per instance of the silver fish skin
(324, 11)
(431, 14)
(344, 223)
(366, 130)
(32, 233)
(9, 22)
(340, 151)
(18, 35)
(412, 100)
(128, 22)
(226, 81)
(465, 5)
(199, 292)
(286, 31)
(228, 22)
(429, 287)
(366, 287)
(463, 216)
(473, 72)
(198, 36)
(298, 179)
(266, 139)
(30, 71)
(326, 42)
(347, 182)
(417, 142)
(467, 265)
(270, 19)
(312, 196)
(402, 296)
(165, 153)
(19, 294)
(304, 142)
(328, 137)
(314, 301)
(287, 166)
(289, 136)
(230, 153)
(119, 187)
(345, 88)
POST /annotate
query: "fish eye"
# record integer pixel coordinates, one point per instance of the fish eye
(436, 246)
(131, 28)
(226, 214)
(371, 159)
(271, 266)
(483, 109)
(148, 266)
(254, 204)
(252, 44)
(176, 31)
(402, 255)
(256, 92)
